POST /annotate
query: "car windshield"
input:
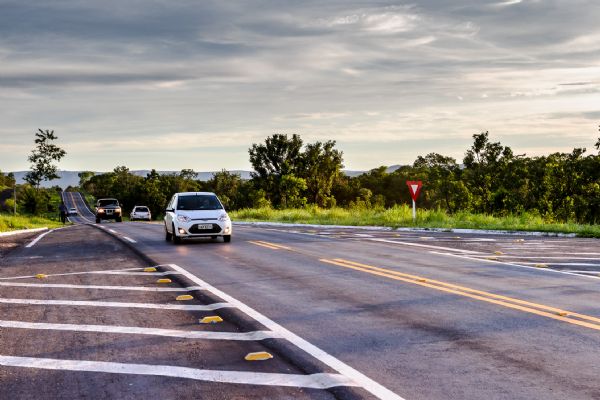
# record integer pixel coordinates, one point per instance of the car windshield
(108, 202)
(141, 209)
(199, 202)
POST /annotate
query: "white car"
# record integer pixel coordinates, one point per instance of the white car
(196, 214)
(72, 211)
(140, 212)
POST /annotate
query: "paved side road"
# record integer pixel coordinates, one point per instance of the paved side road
(96, 325)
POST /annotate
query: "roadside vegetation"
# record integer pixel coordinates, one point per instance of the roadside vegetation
(492, 188)
(401, 216)
(12, 223)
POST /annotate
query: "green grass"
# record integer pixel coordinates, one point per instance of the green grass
(401, 216)
(11, 223)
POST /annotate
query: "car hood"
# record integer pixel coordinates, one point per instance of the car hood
(201, 214)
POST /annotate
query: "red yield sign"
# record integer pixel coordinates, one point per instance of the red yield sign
(414, 187)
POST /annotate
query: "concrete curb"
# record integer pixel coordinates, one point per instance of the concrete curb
(22, 231)
(418, 230)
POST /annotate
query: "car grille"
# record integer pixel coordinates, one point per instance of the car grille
(215, 229)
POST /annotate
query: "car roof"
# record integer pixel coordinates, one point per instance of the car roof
(194, 193)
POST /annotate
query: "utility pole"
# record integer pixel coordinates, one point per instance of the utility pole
(15, 199)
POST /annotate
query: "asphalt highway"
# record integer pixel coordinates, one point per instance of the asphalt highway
(394, 314)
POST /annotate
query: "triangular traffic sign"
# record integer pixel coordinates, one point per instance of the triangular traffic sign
(414, 187)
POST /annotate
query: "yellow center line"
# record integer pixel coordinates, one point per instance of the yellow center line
(273, 246)
(471, 293)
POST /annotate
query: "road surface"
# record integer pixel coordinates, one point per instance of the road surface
(387, 313)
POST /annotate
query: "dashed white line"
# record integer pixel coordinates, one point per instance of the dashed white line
(37, 239)
(132, 330)
(129, 239)
(314, 381)
(112, 230)
(352, 376)
(102, 287)
(79, 303)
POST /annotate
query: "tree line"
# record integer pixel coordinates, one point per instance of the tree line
(491, 179)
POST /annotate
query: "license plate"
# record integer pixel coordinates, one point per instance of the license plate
(109, 212)
(204, 226)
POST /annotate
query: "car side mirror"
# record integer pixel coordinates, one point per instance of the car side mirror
(169, 210)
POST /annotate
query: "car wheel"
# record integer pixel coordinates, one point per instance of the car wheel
(227, 238)
(167, 235)
(176, 239)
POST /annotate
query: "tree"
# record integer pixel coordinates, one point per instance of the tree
(84, 176)
(279, 156)
(227, 186)
(322, 164)
(42, 158)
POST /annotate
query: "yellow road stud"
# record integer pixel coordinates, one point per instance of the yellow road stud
(562, 313)
(498, 253)
(41, 276)
(213, 319)
(184, 297)
(150, 269)
(259, 356)
(164, 280)
(491, 258)
(541, 266)
(421, 280)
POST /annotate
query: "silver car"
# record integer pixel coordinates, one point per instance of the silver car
(140, 212)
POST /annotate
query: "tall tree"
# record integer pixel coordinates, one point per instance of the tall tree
(42, 158)
(279, 156)
(322, 164)
(84, 176)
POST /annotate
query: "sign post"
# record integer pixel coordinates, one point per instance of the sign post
(414, 187)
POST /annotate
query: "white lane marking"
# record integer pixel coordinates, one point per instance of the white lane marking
(78, 273)
(102, 226)
(112, 230)
(132, 330)
(314, 381)
(353, 376)
(571, 264)
(101, 287)
(79, 303)
(542, 257)
(426, 246)
(129, 239)
(512, 264)
(584, 272)
(37, 239)
(22, 231)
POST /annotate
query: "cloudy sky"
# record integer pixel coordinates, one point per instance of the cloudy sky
(173, 84)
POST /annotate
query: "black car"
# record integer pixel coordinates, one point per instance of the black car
(108, 209)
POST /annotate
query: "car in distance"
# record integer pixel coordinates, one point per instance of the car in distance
(140, 212)
(72, 211)
(108, 209)
(196, 214)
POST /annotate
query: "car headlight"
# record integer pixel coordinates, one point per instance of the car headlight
(101, 210)
(224, 217)
(183, 218)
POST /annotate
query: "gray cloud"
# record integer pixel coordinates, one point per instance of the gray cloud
(357, 71)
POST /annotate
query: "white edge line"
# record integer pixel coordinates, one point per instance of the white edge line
(513, 264)
(425, 245)
(37, 239)
(82, 303)
(73, 273)
(129, 239)
(360, 379)
(314, 381)
(22, 231)
(132, 330)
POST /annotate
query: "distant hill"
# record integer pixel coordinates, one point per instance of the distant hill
(70, 178)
